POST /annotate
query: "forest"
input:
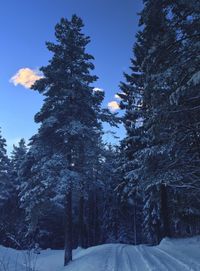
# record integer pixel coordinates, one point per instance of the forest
(67, 187)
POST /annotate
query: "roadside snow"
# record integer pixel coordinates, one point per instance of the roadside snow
(170, 255)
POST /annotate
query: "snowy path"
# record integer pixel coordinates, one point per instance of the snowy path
(170, 255)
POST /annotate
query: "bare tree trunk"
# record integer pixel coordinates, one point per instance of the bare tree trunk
(68, 228)
(134, 223)
(91, 219)
(164, 211)
(97, 233)
(81, 223)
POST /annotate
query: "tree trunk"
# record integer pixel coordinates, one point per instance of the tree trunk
(81, 223)
(97, 233)
(164, 211)
(68, 228)
(134, 223)
(91, 220)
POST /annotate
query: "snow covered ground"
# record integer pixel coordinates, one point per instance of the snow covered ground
(171, 254)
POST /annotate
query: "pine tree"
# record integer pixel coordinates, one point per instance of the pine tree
(110, 202)
(167, 158)
(184, 100)
(41, 194)
(118, 215)
(16, 217)
(62, 155)
(132, 101)
(157, 127)
(4, 172)
(173, 70)
(17, 158)
(145, 97)
(5, 193)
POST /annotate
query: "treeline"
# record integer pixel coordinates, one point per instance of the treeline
(69, 188)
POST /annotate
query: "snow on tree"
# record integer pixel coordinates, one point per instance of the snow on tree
(6, 193)
(62, 156)
(5, 182)
(164, 73)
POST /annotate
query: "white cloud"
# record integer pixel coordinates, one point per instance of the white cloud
(25, 77)
(113, 106)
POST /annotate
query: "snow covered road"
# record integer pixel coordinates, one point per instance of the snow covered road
(170, 255)
(117, 257)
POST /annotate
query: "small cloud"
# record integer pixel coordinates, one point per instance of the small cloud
(113, 106)
(25, 77)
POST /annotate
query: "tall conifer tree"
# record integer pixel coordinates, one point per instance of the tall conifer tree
(70, 128)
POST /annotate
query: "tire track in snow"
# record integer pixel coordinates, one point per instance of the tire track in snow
(177, 261)
(114, 260)
(164, 261)
(192, 263)
(133, 259)
(153, 261)
(127, 264)
(120, 261)
(105, 268)
(108, 262)
(137, 248)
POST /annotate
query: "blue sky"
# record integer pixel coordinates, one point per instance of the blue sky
(25, 25)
